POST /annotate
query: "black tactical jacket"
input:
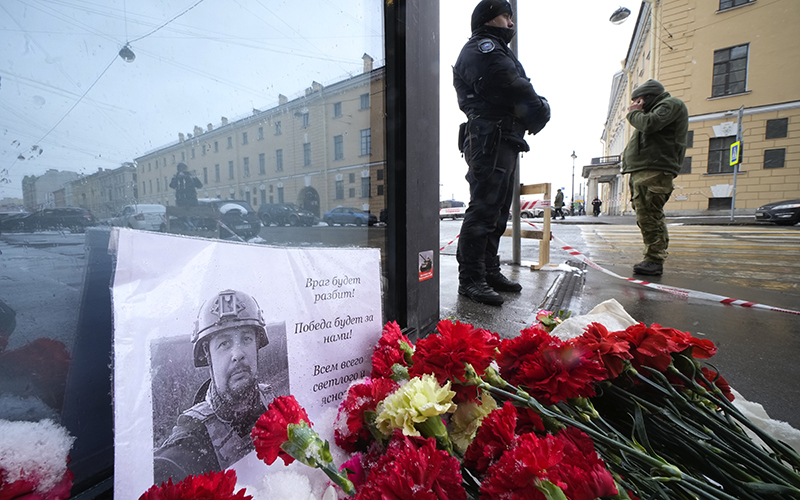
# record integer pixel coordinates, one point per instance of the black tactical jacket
(491, 83)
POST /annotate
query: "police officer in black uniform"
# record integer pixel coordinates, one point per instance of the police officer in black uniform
(501, 106)
(214, 433)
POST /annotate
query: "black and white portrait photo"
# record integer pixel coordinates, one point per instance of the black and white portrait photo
(207, 333)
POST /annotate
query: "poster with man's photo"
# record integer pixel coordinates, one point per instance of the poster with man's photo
(207, 333)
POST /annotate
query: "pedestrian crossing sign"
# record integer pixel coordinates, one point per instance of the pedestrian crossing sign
(736, 153)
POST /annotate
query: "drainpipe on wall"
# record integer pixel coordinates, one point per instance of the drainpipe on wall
(652, 72)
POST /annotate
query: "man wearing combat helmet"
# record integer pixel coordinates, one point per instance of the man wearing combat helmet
(214, 433)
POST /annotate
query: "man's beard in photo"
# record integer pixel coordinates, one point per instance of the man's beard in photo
(242, 389)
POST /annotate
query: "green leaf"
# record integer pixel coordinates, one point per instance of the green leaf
(550, 490)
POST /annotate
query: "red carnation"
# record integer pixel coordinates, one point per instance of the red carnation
(649, 347)
(26, 488)
(413, 469)
(350, 430)
(528, 421)
(701, 348)
(559, 372)
(388, 351)
(445, 354)
(607, 348)
(211, 486)
(514, 351)
(520, 469)
(269, 433)
(717, 379)
(584, 473)
(495, 436)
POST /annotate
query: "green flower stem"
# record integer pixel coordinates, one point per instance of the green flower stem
(339, 478)
(670, 471)
(777, 471)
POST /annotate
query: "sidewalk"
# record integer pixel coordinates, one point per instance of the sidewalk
(548, 289)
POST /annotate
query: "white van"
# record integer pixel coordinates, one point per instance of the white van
(142, 216)
(452, 209)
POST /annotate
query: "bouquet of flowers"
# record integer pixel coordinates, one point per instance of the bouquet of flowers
(465, 414)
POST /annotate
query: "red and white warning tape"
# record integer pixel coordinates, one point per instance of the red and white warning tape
(683, 292)
(450, 242)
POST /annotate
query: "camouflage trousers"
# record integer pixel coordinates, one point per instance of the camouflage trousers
(650, 191)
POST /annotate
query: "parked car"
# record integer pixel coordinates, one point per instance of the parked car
(452, 208)
(783, 213)
(141, 216)
(282, 214)
(214, 216)
(75, 219)
(348, 215)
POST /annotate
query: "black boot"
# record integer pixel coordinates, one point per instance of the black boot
(648, 268)
(500, 283)
(479, 291)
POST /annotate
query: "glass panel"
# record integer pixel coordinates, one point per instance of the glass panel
(740, 51)
(721, 55)
(215, 88)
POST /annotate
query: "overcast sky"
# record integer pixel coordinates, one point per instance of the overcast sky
(225, 58)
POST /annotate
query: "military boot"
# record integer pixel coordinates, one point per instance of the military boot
(500, 283)
(479, 291)
(648, 268)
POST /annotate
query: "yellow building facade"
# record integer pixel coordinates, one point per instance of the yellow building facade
(321, 150)
(718, 56)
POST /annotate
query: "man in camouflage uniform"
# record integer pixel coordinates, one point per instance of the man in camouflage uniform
(214, 433)
(653, 158)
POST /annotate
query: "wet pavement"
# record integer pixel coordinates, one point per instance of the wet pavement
(758, 348)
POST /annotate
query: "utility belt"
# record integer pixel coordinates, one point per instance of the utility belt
(486, 133)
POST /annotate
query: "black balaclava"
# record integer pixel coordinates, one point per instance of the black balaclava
(487, 10)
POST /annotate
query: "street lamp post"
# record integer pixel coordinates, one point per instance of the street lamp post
(572, 200)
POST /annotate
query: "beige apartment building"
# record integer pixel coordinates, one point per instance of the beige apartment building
(717, 56)
(319, 151)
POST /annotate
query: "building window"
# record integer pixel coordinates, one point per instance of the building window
(690, 139)
(352, 192)
(216, 172)
(280, 195)
(363, 101)
(337, 109)
(192, 152)
(150, 182)
(148, 167)
(778, 128)
(365, 187)
(379, 174)
(307, 154)
(263, 196)
(686, 168)
(158, 185)
(216, 146)
(366, 142)
(730, 71)
(183, 155)
(719, 155)
(338, 147)
(262, 164)
(380, 189)
(205, 175)
(352, 178)
(260, 133)
(247, 196)
(719, 203)
(279, 160)
(306, 120)
(230, 142)
(204, 149)
(230, 170)
(278, 128)
(729, 4)
(144, 191)
(246, 166)
(774, 158)
(339, 190)
(244, 137)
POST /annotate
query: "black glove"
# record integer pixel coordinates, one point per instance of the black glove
(542, 117)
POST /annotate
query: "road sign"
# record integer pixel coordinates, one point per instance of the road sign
(736, 153)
